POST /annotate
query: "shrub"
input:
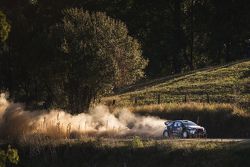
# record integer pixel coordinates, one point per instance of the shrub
(4, 27)
(11, 155)
(136, 142)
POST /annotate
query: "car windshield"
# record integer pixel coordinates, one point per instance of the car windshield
(168, 123)
(189, 123)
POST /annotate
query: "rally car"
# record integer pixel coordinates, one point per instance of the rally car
(183, 129)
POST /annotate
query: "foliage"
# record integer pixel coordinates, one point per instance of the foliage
(4, 27)
(96, 54)
(136, 142)
(81, 58)
(175, 35)
(181, 35)
(11, 155)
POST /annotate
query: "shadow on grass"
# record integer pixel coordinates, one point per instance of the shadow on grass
(92, 155)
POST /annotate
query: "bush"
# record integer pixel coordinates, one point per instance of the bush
(4, 27)
(11, 155)
(136, 142)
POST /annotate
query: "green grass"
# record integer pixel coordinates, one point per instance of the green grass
(118, 153)
(225, 84)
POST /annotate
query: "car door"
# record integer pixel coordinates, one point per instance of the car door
(170, 128)
(177, 129)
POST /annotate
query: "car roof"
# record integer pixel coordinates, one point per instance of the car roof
(179, 121)
(183, 121)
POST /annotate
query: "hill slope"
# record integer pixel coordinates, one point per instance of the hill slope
(225, 84)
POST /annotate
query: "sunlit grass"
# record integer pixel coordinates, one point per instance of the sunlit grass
(229, 84)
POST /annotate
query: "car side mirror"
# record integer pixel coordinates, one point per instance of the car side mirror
(166, 123)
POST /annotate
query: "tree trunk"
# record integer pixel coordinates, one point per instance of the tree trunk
(178, 37)
(191, 64)
(228, 56)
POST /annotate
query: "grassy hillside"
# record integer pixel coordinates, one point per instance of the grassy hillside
(225, 84)
(136, 153)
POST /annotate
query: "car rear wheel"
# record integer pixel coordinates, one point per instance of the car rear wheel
(185, 135)
(165, 134)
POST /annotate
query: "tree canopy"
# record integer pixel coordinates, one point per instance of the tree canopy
(82, 57)
(96, 54)
(175, 36)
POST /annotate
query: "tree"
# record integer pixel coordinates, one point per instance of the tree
(175, 35)
(229, 30)
(95, 54)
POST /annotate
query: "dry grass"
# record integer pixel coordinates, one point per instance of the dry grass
(192, 106)
(220, 120)
(100, 152)
(175, 107)
(226, 84)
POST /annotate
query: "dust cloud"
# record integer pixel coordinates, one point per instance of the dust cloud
(16, 123)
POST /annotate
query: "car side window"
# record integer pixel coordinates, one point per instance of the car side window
(180, 124)
(176, 124)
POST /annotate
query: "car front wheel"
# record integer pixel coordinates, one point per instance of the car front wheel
(165, 134)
